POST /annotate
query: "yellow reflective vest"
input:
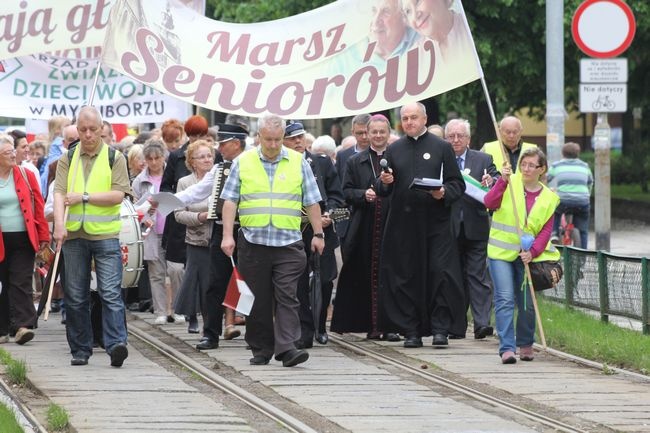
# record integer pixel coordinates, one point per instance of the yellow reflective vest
(260, 203)
(493, 149)
(504, 243)
(96, 220)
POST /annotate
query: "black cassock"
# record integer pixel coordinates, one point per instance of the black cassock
(420, 268)
(357, 307)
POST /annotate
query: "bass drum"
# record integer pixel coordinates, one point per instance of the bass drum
(131, 245)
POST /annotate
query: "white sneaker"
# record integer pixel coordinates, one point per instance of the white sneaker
(160, 320)
(179, 318)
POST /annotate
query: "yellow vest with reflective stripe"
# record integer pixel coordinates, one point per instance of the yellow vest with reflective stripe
(260, 203)
(96, 220)
(504, 243)
(493, 149)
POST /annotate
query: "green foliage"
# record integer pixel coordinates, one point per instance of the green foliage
(57, 418)
(5, 357)
(252, 11)
(17, 371)
(8, 422)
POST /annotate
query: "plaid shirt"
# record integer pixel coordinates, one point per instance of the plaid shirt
(270, 235)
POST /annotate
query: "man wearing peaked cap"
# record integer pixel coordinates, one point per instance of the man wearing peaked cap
(229, 132)
(329, 186)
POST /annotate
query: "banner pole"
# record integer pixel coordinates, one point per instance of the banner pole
(92, 91)
(506, 163)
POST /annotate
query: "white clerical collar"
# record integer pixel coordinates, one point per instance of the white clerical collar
(424, 131)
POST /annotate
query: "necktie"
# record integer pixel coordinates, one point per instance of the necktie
(459, 160)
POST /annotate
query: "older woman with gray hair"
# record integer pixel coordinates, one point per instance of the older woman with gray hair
(23, 232)
(148, 182)
(325, 145)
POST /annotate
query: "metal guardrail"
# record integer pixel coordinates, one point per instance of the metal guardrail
(609, 283)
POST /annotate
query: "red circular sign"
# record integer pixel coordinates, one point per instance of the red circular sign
(603, 28)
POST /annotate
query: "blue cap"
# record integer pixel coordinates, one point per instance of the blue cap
(294, 129)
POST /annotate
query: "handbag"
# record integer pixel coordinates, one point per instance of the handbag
(545, 275)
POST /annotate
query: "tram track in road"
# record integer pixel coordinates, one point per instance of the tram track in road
(217, 381)
(423, 372)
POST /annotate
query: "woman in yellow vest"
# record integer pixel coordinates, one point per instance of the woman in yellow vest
(535, 205)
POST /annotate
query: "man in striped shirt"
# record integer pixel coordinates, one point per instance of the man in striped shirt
(572, 179)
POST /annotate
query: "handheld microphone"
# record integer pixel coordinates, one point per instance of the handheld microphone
(384, 165)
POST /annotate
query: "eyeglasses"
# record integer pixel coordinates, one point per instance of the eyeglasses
(8, 152)
(203, 156)
(531, 166)
(452, 137)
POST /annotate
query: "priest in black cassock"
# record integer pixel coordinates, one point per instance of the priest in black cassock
(420, 268)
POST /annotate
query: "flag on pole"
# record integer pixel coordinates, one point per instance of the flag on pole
(238, 295)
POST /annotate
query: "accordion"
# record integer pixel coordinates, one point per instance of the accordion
(216, 203)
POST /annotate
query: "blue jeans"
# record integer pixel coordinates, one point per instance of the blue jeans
(78, 254)
(507, 278)
(580, 220)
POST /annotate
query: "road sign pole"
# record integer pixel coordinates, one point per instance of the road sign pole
(602, 211)
(555, 113)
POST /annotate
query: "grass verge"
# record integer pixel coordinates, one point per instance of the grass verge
(8, 421)
(578, 333)
(57, 418)
(16, 371)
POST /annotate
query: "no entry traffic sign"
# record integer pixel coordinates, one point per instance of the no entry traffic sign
(603, 28)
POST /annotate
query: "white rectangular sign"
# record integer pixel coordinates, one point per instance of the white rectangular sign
(603, 70)
(603, 98)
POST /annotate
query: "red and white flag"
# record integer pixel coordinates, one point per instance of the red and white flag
(238, 295)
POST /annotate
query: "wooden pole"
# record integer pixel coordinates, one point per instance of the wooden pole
(506, 163)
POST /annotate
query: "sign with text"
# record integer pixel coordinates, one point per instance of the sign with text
(603, 98)
(66, 28)
(340, 64)
(603, 70)
(41, 86)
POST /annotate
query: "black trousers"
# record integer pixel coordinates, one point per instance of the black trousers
(16, 302)
(220, 272)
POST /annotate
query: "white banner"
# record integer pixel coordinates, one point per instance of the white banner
(42, 86)
(66, 28)
(349, 57)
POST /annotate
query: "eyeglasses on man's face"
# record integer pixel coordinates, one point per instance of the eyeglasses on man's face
(452, 137)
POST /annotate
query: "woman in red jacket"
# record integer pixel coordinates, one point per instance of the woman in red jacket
(23, 232)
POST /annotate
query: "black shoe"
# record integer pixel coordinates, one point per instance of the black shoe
(304, 344)
(193, 327)
(79, 360)
(482, 332)
(134, 307)
(456, 337)
(412, 342)
(259, 360)
(391, 336)
(322, 338)
(63, 317)
(373, 336)
(207, 344)
(55, 306)
(440, 340)
(145, 305)
(292, 357)
(119, 354)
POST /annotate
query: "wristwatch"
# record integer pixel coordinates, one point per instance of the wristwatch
(85, 197)
(320, 235)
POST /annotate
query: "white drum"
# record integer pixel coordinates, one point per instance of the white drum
(131, 245)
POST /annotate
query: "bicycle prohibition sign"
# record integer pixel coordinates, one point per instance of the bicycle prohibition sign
(603, 101)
